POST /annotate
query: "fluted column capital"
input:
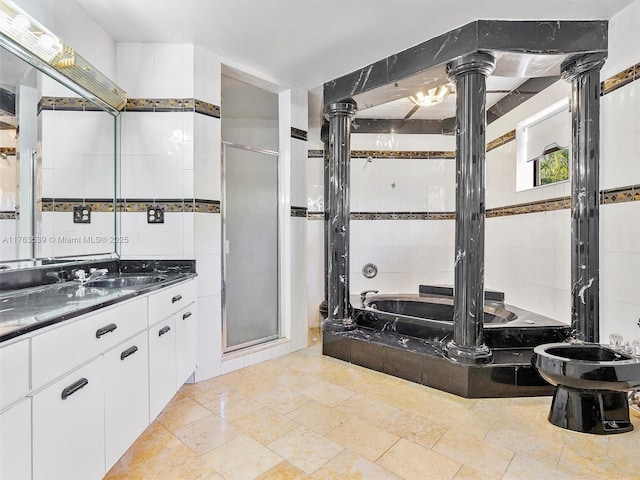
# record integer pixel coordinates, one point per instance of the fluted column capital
(576, 66)
(347, 108)
(481, 62)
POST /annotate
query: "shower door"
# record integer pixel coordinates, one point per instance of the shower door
(250, 246)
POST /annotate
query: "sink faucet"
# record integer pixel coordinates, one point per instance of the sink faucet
(95, 273)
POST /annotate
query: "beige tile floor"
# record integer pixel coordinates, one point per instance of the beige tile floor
(305, 416)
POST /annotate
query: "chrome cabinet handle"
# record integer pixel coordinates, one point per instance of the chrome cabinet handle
(73, 388)
(164, 330)
(186, 315)
(177, 298)
(106, 329)
(129, 351)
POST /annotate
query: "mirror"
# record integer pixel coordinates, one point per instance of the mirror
(58, 167)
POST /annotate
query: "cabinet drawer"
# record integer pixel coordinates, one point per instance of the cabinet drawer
(14, 372)
(59, 350)
(167, 301)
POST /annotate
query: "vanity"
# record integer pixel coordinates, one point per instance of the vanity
(87, 360)
(86, 368)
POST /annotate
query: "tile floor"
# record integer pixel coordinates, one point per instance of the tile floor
(305, 416)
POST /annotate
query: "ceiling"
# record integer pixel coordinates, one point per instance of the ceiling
(311, 42)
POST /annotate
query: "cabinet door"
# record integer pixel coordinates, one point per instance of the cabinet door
(162, 365)
(14, 372)
(15, 442)
(186, 342)
(126, 394)
(68, 426)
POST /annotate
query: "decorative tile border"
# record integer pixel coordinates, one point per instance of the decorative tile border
(208, 109)
(298, 134)
(299, 212)
(620, 79)
(206, 206)
(67, 204)
(132, 205)
(315, 153)
(172, 105)
(501, 140)
(67, 104)
(8, 150)
(408, 154)
(402, 215)
(629, 193)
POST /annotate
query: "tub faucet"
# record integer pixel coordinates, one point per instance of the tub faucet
(363, 295)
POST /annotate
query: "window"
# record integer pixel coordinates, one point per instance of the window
(551, 167)
(543, 142)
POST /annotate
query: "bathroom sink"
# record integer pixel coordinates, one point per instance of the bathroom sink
(122, 281)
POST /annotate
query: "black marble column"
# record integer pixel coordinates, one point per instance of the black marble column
(324, 136)
(584, 74)
(469, 74)
(339, 115)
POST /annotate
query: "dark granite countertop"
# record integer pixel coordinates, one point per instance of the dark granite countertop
(25, 310)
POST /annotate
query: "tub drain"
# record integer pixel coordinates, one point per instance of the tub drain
(369, 270)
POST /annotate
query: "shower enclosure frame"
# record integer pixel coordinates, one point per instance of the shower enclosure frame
(226, 349)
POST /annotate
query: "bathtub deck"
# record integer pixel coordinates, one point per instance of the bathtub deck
(510, 375)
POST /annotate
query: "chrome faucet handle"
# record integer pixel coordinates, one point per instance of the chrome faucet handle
(363, 294)
(79, 274)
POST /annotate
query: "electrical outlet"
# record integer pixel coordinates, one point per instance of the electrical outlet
(155, 215)
(82, 214)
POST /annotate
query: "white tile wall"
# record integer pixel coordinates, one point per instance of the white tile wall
(206, 76)
(157, 154)
(207, 158)
(299, 322)
(156, 70)
(64, 238)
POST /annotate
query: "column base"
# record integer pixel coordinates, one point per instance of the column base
(338, 325)
(468, 355)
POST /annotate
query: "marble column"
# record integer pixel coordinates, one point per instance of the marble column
(584, 74)
(340, 115)
(469, 75)
(324, 136)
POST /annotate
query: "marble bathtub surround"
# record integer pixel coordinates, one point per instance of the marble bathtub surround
(469, 75)
(584, 75)
(340, 116)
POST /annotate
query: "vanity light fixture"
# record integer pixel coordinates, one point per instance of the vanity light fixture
(434, 96)
(27, 38)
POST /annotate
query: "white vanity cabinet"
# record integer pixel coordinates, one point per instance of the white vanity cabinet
(126, 395)
(162, 365)
(15, 441)
(172, 342)
(186, 342)
(77, 394)
(68, 426)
